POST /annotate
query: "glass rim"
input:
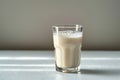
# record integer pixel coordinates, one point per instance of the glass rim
(67, 26)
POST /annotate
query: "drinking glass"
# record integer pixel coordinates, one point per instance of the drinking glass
(67, 41)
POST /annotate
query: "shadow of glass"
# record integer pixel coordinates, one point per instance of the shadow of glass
(101, 71)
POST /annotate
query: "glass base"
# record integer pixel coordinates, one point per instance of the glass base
(68, 70)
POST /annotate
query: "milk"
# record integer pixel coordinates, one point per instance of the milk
(67, 48)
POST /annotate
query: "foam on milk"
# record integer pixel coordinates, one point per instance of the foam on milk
(67, 48)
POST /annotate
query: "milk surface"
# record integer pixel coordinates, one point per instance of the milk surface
(67, 48)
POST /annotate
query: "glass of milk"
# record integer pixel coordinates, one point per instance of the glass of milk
(67, 43)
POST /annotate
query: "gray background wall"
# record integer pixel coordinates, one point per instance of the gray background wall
(26, 24)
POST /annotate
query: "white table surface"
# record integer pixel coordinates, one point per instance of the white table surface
(39, 65)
